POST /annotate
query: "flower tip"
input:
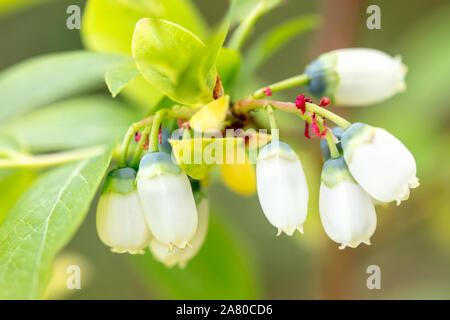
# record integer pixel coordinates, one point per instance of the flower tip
(180, 244)
(133, 252)
(290, 230)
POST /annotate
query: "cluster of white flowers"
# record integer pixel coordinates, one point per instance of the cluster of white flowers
(153, 207)
(375, 167)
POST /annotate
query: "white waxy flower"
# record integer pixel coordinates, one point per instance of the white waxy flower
(282, 188)
(356, 76)
(173, 256)
(346, 210)
(379, 162)
(121, 223)
(167, 199)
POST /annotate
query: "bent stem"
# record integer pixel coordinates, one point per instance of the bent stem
(140, 147)
(296, 81)
(272, 120)
(47, 160)
(334, 152)
(341, 122)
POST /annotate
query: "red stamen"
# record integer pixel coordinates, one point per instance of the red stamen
(268, 92)
(180, 122)
(307, 135)
(137, 136)
(315, 128)
(300, 103)
(146, 144)
(160, 135)
(324, 102)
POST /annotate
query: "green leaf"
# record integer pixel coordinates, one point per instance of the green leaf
(46, 79)
(268, 44)
(13, 183)
(223, 269)
(117, 77)
(228, 65)
(163, 51)
(241, 9)
(198, 155)
(42, 222)
(75, 123)
(108, 25)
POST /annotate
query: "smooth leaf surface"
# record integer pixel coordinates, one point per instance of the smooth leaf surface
(117, 77)
(241, 9)
(198, 155)
(13, 182)
(223, 268)
(43, 80)
(74, 123)
(163, 51)
(211, 116)
(42, 222)
(108, 25)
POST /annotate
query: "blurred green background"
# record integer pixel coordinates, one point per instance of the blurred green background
(412, 242)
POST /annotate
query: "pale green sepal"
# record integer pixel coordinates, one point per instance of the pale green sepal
(121, 181)
(156, 164)
(357, 134)
(323, 76)
(280, 149)
(335, 171)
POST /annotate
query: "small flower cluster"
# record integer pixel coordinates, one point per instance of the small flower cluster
(372, 167)
(153, 207)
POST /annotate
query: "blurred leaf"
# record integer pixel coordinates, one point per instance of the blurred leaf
(210, 116)
(42, 222)
(223, 269)
(268, 44)
(117, 77)
(46, 79)
(239, 178)
(228, 64)
(108, 25)
(13, 183)
(8, 6)
(75, 123)
(241, 9)
(197, 156)
(417, 116)
(163, 51)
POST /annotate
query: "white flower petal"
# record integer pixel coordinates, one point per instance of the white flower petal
(121, 223)
(379, 162)
(282, 188)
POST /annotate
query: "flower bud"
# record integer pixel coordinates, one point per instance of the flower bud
(171, 257)
(167, 200)
(346, 210)
(282, 188)
(121, 223)
(379, 162)
(356, 76)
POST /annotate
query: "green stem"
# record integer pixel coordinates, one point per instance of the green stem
(140, 148)
(334, 152)
(344, 124)
(273, 121)
(296, 81)
(153, 143)
(47, 160)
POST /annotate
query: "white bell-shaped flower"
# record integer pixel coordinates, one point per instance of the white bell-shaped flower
(356, 76)
(174, 256)
(167, 199)
(346, 210)
(379, 162)
(282, 187)
(121, 223)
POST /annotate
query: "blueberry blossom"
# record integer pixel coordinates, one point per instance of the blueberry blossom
(121, 223)
(167, 200)
(174, 256)
(282, 188)
(346, 210)
(379, 162)
(356, 76)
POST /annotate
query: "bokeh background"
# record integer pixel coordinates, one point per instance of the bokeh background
(242, 257)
